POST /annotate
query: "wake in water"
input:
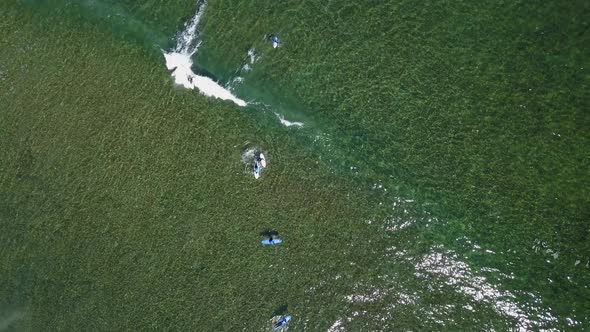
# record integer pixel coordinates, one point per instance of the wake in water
(180, 62)
(441, 268)
(288, 123)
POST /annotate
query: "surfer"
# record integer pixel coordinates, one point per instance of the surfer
(272, 241)
(275, 41)
(259, 164)
(282, 322)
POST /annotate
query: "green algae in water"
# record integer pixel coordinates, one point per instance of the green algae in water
(478, 110)
(432, 114)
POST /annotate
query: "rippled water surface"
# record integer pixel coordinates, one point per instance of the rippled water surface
(427, 165)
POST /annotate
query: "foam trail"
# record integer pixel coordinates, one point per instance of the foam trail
(187, 41)
(287, 122)
(180, 63)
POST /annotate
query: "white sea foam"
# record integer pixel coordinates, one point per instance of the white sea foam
(180, 63)
(249, 155)
(252, 56)
(375, 295)
(336, 327)
(289, 123)
(571, 322)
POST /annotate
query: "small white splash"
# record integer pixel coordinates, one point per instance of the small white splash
(397, 224)
(407, 299)
(180, 63)
(336, 327)
(252, 56)
(238, 80)
(374, 296)
(289, 123)
(542, 247)
(571, 322)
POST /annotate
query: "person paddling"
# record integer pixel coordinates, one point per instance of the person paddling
(272, 241)
(275, 41)
(257, 167)
(282, 322)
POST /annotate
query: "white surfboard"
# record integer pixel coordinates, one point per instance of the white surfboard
(262, 160)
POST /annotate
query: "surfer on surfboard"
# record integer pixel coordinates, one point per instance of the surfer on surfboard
(272, 241)
(282, 322)
(259, 164)
(275, 41)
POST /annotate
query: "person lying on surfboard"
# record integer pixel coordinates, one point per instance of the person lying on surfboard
(259, 164)
(272, 241)
(257, 168)
(282, 322)
(275, 41)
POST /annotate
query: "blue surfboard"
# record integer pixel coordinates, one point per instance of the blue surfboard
(282, 322)
(257, 170)
(274, 241)
(259, 165)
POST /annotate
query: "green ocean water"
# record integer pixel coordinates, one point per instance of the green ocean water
(439, 182)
